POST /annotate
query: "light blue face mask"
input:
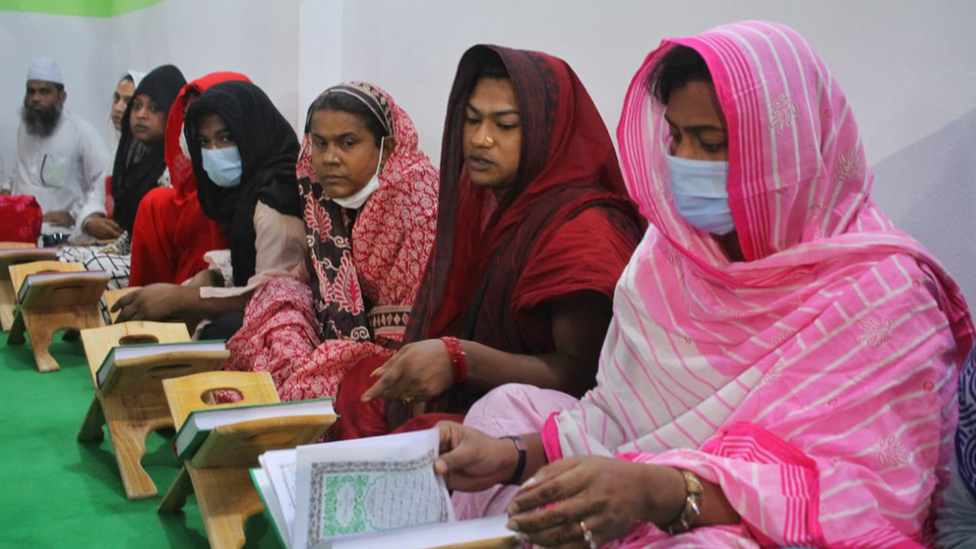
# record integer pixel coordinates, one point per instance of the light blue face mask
(223, 166)
(700, 194)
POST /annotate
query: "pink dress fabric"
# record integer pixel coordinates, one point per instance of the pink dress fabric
(814, 382)
(390, 243)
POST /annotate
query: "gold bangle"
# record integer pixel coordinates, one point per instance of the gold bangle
(691, 511)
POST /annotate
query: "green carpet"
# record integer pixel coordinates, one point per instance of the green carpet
(62, 494)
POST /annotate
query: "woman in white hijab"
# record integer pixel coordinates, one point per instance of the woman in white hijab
(95, 215)
(120, 100)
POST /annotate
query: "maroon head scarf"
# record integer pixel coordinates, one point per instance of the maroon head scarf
(474, 285)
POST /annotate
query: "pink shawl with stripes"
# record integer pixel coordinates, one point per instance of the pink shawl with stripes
(815, 381)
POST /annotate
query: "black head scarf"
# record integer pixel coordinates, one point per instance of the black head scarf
(136, 170)
(269, 150)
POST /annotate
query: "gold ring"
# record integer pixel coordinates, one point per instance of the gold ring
(489, 140)
(587, 535)
(405, 398)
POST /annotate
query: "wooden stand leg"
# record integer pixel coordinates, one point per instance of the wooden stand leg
(129, 423)
(91, 428)
(227, 497)
(41, 336)
(7, 304)
(175, 497)
(41, 326)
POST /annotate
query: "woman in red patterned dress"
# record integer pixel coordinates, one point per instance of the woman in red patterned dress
(370, 208)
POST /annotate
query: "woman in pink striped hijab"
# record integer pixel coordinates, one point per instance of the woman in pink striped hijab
(782, 361)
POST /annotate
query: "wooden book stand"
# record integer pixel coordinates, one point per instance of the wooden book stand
(219, 472)
(131, 400)
(13, 253)
(50, 305)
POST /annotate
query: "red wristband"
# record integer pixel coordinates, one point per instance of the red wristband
(459, 363)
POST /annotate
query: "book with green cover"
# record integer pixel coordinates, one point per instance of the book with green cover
(199, 423)
(120, 355)
(36, 278)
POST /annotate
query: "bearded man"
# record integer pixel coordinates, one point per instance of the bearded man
(59, 155)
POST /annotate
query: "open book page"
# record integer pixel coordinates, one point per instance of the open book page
(280, 467)
(377, 484)
(436, 535)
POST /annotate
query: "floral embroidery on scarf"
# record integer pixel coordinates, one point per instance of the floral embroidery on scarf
(784, 113)
(876, 332)
(818, 206)
(850, 166)
(348, 294)
(325, 289)
(890, 452)
(781, 337)
(675, 260)
(772, 375)
(317, 220)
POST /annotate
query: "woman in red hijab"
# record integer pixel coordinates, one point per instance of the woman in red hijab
(534, 228)
(171, 233)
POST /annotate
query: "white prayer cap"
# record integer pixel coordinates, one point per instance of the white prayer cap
(44, 68)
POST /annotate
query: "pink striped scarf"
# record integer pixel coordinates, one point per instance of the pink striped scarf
(815, 381)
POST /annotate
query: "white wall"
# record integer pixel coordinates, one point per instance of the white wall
(254, 37)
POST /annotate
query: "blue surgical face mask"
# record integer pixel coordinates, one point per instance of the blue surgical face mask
(700, 194)
(223, 166)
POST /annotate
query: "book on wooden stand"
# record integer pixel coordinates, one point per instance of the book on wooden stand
(218, 471)
(128, 364)
(52, 296)
(369, 493)
(13, 253)
(200, 423)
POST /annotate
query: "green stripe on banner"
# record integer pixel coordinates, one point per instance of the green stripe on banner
(84, 8)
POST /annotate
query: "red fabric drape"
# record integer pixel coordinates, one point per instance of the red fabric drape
(20, 218)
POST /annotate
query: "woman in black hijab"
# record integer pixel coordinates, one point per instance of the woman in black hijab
(139, 162)
(244, 154)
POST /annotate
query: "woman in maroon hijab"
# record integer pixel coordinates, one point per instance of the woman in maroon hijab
(534, 228)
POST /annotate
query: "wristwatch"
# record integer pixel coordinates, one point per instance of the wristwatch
(522, 455)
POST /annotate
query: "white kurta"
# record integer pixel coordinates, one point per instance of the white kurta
(60, 170)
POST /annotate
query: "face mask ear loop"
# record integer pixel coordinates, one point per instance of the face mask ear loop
(379, 163)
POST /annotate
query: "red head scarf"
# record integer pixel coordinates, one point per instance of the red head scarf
(474, 285)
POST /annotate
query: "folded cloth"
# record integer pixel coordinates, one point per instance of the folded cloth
(20, 218)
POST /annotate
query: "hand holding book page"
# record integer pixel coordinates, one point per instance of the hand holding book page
(369, 485)
(373, 492)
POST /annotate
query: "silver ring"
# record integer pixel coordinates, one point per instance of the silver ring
(587, 535)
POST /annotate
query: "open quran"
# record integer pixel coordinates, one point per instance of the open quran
(373, 492)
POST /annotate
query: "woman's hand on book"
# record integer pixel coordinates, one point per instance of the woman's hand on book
(600, 495)
(153, 302)
(419, 371)
(471, 461)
